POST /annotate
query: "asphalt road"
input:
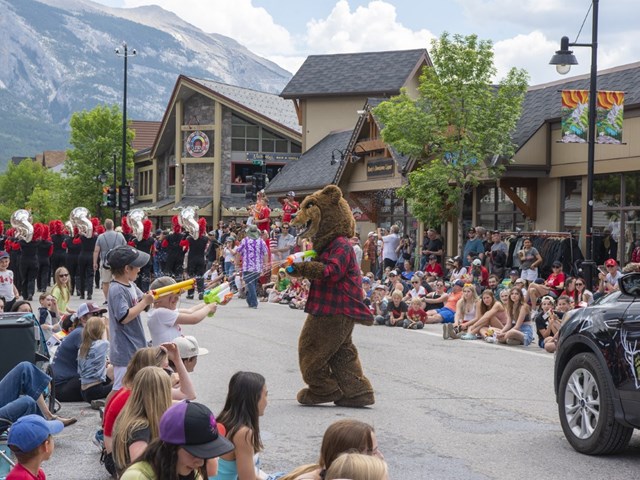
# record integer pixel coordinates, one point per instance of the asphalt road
(449, 409)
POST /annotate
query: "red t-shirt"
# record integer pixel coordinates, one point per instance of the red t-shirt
(434, 269)
(554, 280)
(288, 209)
(416, 314)
(263, 212)
(113, 409)
(20, 473)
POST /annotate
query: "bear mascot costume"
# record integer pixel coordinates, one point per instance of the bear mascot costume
(328, 359)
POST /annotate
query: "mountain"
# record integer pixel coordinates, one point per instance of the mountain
(58, 57)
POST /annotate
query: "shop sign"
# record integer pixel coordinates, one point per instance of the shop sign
(272, 157)
(197, 144)
(382, 167)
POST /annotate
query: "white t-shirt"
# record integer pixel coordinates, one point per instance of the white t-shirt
(162, 325)
(389, 246)
(6, 285)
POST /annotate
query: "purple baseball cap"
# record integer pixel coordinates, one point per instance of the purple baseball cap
(193, 427)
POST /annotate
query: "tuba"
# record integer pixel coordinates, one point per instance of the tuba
(188, 219)
(21, 222)
(80, 218)
(136, 218)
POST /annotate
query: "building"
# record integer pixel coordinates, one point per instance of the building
(211, 137)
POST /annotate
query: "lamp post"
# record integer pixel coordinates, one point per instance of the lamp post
(123, 51)
(563, 59)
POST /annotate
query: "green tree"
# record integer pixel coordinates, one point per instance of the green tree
(458, 129)
(96, 136)
(21, 184)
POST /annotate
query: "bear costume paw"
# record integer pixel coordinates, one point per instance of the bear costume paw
(306, 397)
(359, 401)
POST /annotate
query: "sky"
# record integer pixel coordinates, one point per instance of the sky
(525, 33)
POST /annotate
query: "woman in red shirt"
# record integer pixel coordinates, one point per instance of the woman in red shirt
(553, 286)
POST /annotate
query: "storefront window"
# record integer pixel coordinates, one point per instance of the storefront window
(249, 137)
(496, 211)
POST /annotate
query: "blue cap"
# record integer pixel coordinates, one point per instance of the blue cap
(31, 431)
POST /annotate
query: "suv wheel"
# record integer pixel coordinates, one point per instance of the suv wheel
(586, 408)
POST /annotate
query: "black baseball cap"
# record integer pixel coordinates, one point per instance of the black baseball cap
(124, 255)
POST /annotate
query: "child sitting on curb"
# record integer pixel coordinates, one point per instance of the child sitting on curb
(415, 315)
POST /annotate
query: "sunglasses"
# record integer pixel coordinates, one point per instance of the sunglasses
(579, 284)
(63, 275)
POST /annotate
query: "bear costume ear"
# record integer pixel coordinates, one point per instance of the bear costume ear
(333, 193)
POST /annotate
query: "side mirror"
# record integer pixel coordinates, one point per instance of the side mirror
(630, 284)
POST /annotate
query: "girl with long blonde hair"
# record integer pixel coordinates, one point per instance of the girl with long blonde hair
(61, 291)
(139, 421)
(95, 377)
(519, 327)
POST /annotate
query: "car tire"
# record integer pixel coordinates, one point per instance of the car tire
(585, 404)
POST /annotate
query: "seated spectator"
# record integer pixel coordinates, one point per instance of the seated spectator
(544, 318)
(433, 268)
(189, 437)
(48, 315)
(521, 283)
(397, 310)
(584, 297)
(609, 281)
(447, 313)
(458, 271)
(494, 284)
(395, 282)
(553, 286)
(379, 304)
(357, 466)
(21, 392)
(212, 277)
(189, 351)
(465, 313)
(570, 289)
(245, 404)
(274, 294)
(165, 318)
(510, 281)
(563, 305)
(490, 315)
(347, 435)
(417, 290)
(31, 441)
(300, 300)
(65, 360)
(503, 296)
(415, 315)
(437, 298)
(519, 328)
(407, 273)
(139, 421)
(478, 275)
(96, 375)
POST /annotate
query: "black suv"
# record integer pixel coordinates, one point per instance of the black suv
(597, 371)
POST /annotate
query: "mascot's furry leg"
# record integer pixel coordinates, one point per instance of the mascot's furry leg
(331, 366)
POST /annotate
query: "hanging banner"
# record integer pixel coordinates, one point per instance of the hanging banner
(575, 116)
(610, 110)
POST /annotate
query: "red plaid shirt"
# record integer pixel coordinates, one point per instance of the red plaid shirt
(339, 292)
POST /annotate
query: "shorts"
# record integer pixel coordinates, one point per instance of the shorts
(105, 275)
(527, 330)
(118, 375)
(529, 274)
(448, 316)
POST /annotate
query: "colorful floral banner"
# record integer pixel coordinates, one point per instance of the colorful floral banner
(610, 110)
(575, 116)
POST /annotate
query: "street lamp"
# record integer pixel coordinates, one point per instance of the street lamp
(125, 53)
(563, 59)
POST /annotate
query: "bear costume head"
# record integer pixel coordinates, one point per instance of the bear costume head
(323, 216)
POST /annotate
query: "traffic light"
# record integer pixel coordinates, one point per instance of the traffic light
(251, 191)
(111, 197)
(125, 198)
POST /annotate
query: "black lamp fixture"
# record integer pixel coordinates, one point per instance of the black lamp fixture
(344, 153)
(102, 177)
(563, 59)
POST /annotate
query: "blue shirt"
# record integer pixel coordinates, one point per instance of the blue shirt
(475, 246)
(65, 360)
(93, 367)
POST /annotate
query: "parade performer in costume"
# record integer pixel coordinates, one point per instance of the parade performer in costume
(59, 256)
(86, 273)
(195, 261)
(144, 245)
(28, 246)
(175, 252)
(328, 359)
(45, 250)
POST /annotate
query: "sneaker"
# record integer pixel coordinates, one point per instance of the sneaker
(97, 404)
(445, 331)
(490, 339)
(453, 332)
(88, 297)
(98, 439)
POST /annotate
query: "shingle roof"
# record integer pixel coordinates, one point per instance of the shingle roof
(146, 132)
(313, 170)
(268, 105)
(542, 102)
(370, 73)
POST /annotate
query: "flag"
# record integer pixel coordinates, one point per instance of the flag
(609, 113)
(575, 116)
